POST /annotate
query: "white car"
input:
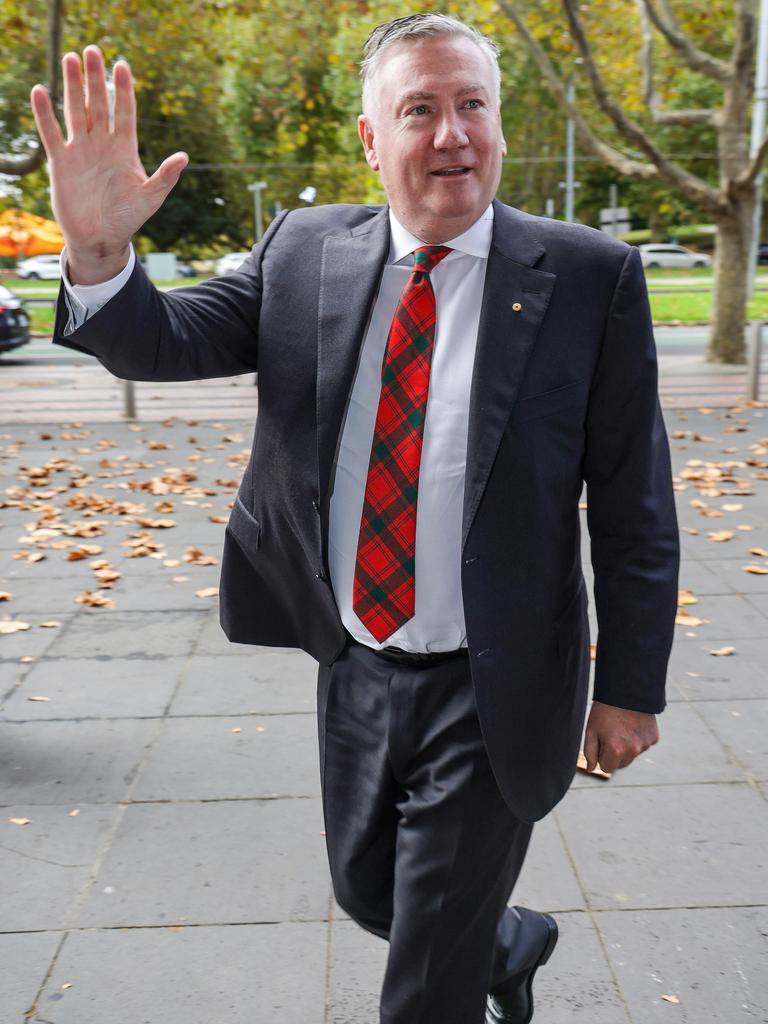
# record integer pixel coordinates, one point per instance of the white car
(657, 255)
(40, 268)
(230, 262)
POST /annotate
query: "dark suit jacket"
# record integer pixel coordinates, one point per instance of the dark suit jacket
(563, 391)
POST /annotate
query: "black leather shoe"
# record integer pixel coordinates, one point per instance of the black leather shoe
(511, 1001)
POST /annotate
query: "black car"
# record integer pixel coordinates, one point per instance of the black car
(14, 321)
(762, 252)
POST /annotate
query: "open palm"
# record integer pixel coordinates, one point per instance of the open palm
(100, 191)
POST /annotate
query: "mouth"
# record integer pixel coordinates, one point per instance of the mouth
(456, 171)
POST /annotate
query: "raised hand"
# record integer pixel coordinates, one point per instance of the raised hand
(100, 191)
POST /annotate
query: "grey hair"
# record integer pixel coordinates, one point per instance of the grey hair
(413, 27)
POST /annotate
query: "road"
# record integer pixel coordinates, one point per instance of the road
(46, 383)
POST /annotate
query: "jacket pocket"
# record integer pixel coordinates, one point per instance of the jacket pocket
(549, 401)
(244, 528)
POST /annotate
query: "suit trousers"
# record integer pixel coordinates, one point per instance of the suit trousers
(423, 850)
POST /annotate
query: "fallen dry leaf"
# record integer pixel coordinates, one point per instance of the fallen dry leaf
(8, 626)
(670, 999)
(684, 619)
(593, 651)
(20, 821)
(196, 557)
(745, 527)
(732, 508)
(207, 592)
(685, 597)
(39, 698)
(719, 536)
(723, 652)
(218, 519)
(757, 570)
(759, 551)
(581, 765)
(95, 600)
(74, 813)
(53, 624)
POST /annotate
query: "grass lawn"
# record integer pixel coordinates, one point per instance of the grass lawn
(697, 307)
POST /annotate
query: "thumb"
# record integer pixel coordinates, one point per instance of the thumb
(166, 175)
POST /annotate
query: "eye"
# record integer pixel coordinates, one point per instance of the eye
(422, 108)
(474, 104)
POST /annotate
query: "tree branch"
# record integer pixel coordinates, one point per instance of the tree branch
(610, 156)
(695, 58)
(652, 101)
(743, 52)
(748, 178)
(670, 171)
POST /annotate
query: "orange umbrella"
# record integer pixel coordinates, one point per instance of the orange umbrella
(25, 234)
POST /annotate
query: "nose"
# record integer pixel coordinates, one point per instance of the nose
(450, 133)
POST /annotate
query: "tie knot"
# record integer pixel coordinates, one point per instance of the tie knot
(427, 257)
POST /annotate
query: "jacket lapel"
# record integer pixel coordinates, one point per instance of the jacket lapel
(349, 276)
(505, 339)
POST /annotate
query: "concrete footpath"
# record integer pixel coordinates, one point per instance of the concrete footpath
(162, 858)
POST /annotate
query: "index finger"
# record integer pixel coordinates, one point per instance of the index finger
(45, 119)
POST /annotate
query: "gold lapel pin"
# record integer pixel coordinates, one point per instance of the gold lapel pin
(516, 307)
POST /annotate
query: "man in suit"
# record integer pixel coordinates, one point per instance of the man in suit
(437, 379)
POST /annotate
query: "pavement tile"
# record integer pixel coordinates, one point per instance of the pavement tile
(547, 881)
(206, 759)
(697, 577)
(25, 959)
(106, 633)
(686, 752)
(357, 961)
(154, 590)
(576, 984)
(239, 861)
(252, 974)
(32, 642)
(254, 680)
(44, 865)
(728, 615)
(88, 688)
(714, 960)
(742, 726)
(65, 762)
(760, 602)
(733, 574)
(213, 641)
(701, 676)
(668, 846)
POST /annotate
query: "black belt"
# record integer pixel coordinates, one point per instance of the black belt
(419, 659)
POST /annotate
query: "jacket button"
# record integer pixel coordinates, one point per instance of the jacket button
(316, 505)
(320, 576)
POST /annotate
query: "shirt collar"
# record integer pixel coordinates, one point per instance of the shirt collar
(475, 241)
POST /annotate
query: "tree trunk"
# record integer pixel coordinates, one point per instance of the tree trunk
(732, 258)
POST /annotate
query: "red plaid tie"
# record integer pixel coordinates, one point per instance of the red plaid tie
(384, 591)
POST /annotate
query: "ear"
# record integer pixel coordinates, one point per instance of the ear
(365, 131)
(503, 140)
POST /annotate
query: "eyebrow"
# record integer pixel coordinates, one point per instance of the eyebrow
(412, 97)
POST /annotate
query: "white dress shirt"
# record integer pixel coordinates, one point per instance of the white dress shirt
(457, 281)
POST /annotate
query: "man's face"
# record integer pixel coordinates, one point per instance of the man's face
(435, 134)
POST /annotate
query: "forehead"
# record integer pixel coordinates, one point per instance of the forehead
(443, 64)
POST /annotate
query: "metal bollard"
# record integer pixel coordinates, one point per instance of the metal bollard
(129, 400)
(755, 358)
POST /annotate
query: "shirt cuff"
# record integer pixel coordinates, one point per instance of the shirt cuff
(83, 300)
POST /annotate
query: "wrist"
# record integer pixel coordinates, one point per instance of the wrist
(97, 264)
